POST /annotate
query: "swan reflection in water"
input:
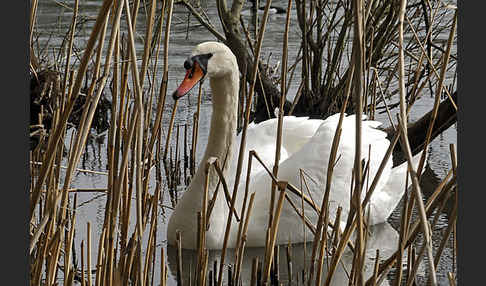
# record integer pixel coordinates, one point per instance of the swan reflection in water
(380, 236)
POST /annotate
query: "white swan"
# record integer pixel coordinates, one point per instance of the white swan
(306, 146)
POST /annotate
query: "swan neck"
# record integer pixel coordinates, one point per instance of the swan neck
(223, 119)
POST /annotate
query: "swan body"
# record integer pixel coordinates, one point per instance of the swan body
(306, 147)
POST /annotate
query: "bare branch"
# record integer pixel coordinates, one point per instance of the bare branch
(201, 20)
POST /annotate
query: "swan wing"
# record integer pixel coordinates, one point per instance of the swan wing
(312, 159)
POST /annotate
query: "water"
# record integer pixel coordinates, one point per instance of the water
(53, 22)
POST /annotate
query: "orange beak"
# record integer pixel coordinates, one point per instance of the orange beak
(193, 76)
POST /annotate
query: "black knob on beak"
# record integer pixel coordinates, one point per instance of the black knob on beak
(188, 64)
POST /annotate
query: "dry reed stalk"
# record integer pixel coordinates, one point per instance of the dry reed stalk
(382, 94)
(215, 162)
(118, 125)
(375, 268)
(53, 254)
(369, 110)
(129, 261)
(148, 41)
(322, 248)
(139, 136)
(243, 217)
(302, 175)
(37, 233)
(359, 56)
(192, 156)
(405, 145)
(195, 129)
(124, 186)
(452, 149)
(147, 152)
(160, 112)
(270, 247)
(163, 84)
(199, 247)
(163, 268)
(166, 68)
(40, 258)
(83, 282)
(283, 78)
(243, 138)
(336, 232)
(176, 169)
(410, 252)
(99, 264)
(416, 263)
(241, 246)
(204, 268)
(70, 47)
(32, 20)
(185, 155)
(67, 251)
(88, 252)
(150, 246)
(154, 247)
(134, 14)
(305, 220)
(203, 222)
(254, 266)
(112, 143)
(452, 279)
(171, 126)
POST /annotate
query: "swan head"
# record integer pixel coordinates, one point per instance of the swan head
(211, 59)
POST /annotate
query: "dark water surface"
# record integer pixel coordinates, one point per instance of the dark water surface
(52, 23)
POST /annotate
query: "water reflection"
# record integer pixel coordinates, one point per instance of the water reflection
(381, 236)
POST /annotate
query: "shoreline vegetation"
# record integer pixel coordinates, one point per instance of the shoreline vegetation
(354, 57)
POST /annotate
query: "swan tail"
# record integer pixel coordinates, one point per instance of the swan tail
(385, 202)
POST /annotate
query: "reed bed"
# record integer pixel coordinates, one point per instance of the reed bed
(141, 150)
